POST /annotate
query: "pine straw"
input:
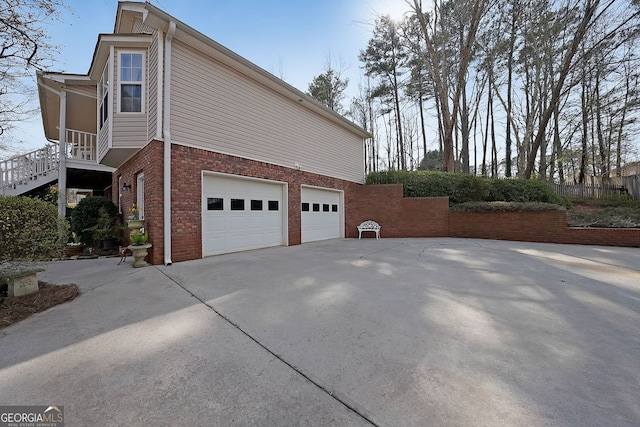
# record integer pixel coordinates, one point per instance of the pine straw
(14, 309)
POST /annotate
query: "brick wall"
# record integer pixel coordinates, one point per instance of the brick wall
(398, 216)
(148, 160)
(186, 192)
(536, 226)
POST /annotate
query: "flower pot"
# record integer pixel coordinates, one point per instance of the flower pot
(108, 243)
(139, 253)
(134, 224)
(73, 250)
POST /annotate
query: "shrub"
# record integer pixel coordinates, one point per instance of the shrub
(31, 229)
(523, 191)
(458, 187)
(89, 215)
(505, 206)
(464, 188)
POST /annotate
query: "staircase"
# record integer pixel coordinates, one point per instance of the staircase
(26, 172)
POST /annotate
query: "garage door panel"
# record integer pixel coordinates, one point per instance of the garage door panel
(227, 230)
(321, 214)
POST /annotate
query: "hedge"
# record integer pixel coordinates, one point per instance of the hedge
(30, 229)
(464, 188)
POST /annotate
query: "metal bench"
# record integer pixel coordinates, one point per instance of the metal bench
(369, 226)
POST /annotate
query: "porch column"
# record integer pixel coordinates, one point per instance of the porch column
(62, 156)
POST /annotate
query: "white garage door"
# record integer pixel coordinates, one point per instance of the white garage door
(240, 214)
(321, 214)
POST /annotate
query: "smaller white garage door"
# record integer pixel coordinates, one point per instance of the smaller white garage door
(240, 214)
(321, 214)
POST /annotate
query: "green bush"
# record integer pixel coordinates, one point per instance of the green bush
(505, 206)
(30, 229)
(89, 215)
(464, 188)
(523, 191)
(459, 188)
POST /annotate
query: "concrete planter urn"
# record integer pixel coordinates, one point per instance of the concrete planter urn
(139, 254)
(135, 224)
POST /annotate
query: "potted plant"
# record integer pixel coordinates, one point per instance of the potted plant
(105, 229)
(75, 247)
(139, 247)
(134, 222)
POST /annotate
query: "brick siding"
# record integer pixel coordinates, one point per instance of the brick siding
(398, 216)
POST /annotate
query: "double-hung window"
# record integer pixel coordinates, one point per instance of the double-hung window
(131, 82)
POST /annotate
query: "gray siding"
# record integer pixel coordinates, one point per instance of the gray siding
(219, 109)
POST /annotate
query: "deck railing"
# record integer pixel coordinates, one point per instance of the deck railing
(29, 166)
(22, 168)
(81, 145)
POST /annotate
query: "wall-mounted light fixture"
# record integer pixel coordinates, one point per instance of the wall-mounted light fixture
(126, 187)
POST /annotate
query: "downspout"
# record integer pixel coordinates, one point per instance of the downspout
(167, 142)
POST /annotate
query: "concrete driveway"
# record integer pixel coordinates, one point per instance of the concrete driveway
(343, 332)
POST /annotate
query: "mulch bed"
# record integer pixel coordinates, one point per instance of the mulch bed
(14, 309)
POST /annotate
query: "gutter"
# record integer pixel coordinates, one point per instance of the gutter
(167, 142)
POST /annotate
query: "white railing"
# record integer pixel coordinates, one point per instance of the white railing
(27, 167)
(81, 145)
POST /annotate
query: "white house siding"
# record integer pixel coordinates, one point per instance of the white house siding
(103, 140)
(152, 82)
(129, 129)
(219, 109)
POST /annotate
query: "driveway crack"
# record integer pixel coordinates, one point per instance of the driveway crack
(330, 393)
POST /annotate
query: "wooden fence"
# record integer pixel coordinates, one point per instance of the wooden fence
(623, 187)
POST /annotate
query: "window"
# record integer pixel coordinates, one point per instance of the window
(316, 207)
(237, 204)
(334, 208)
(256, 205)
(274, 205)
(140, 194)
(103, 96)
(305, 207)
(215, 204)
(325, 208)
(131, 88)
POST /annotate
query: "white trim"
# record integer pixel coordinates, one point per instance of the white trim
(140, 194)
(62, 156)
(167, 143)
(142, 82)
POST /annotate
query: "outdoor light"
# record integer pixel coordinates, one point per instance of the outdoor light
(126, 187)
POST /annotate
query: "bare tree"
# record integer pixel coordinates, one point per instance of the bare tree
(24, 45)
(437, 62)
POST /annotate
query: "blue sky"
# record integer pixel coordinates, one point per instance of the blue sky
(289, 38)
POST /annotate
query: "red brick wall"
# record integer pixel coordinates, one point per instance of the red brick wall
(536, 226)
(186, 192)
(148, 160)
(398, 216)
